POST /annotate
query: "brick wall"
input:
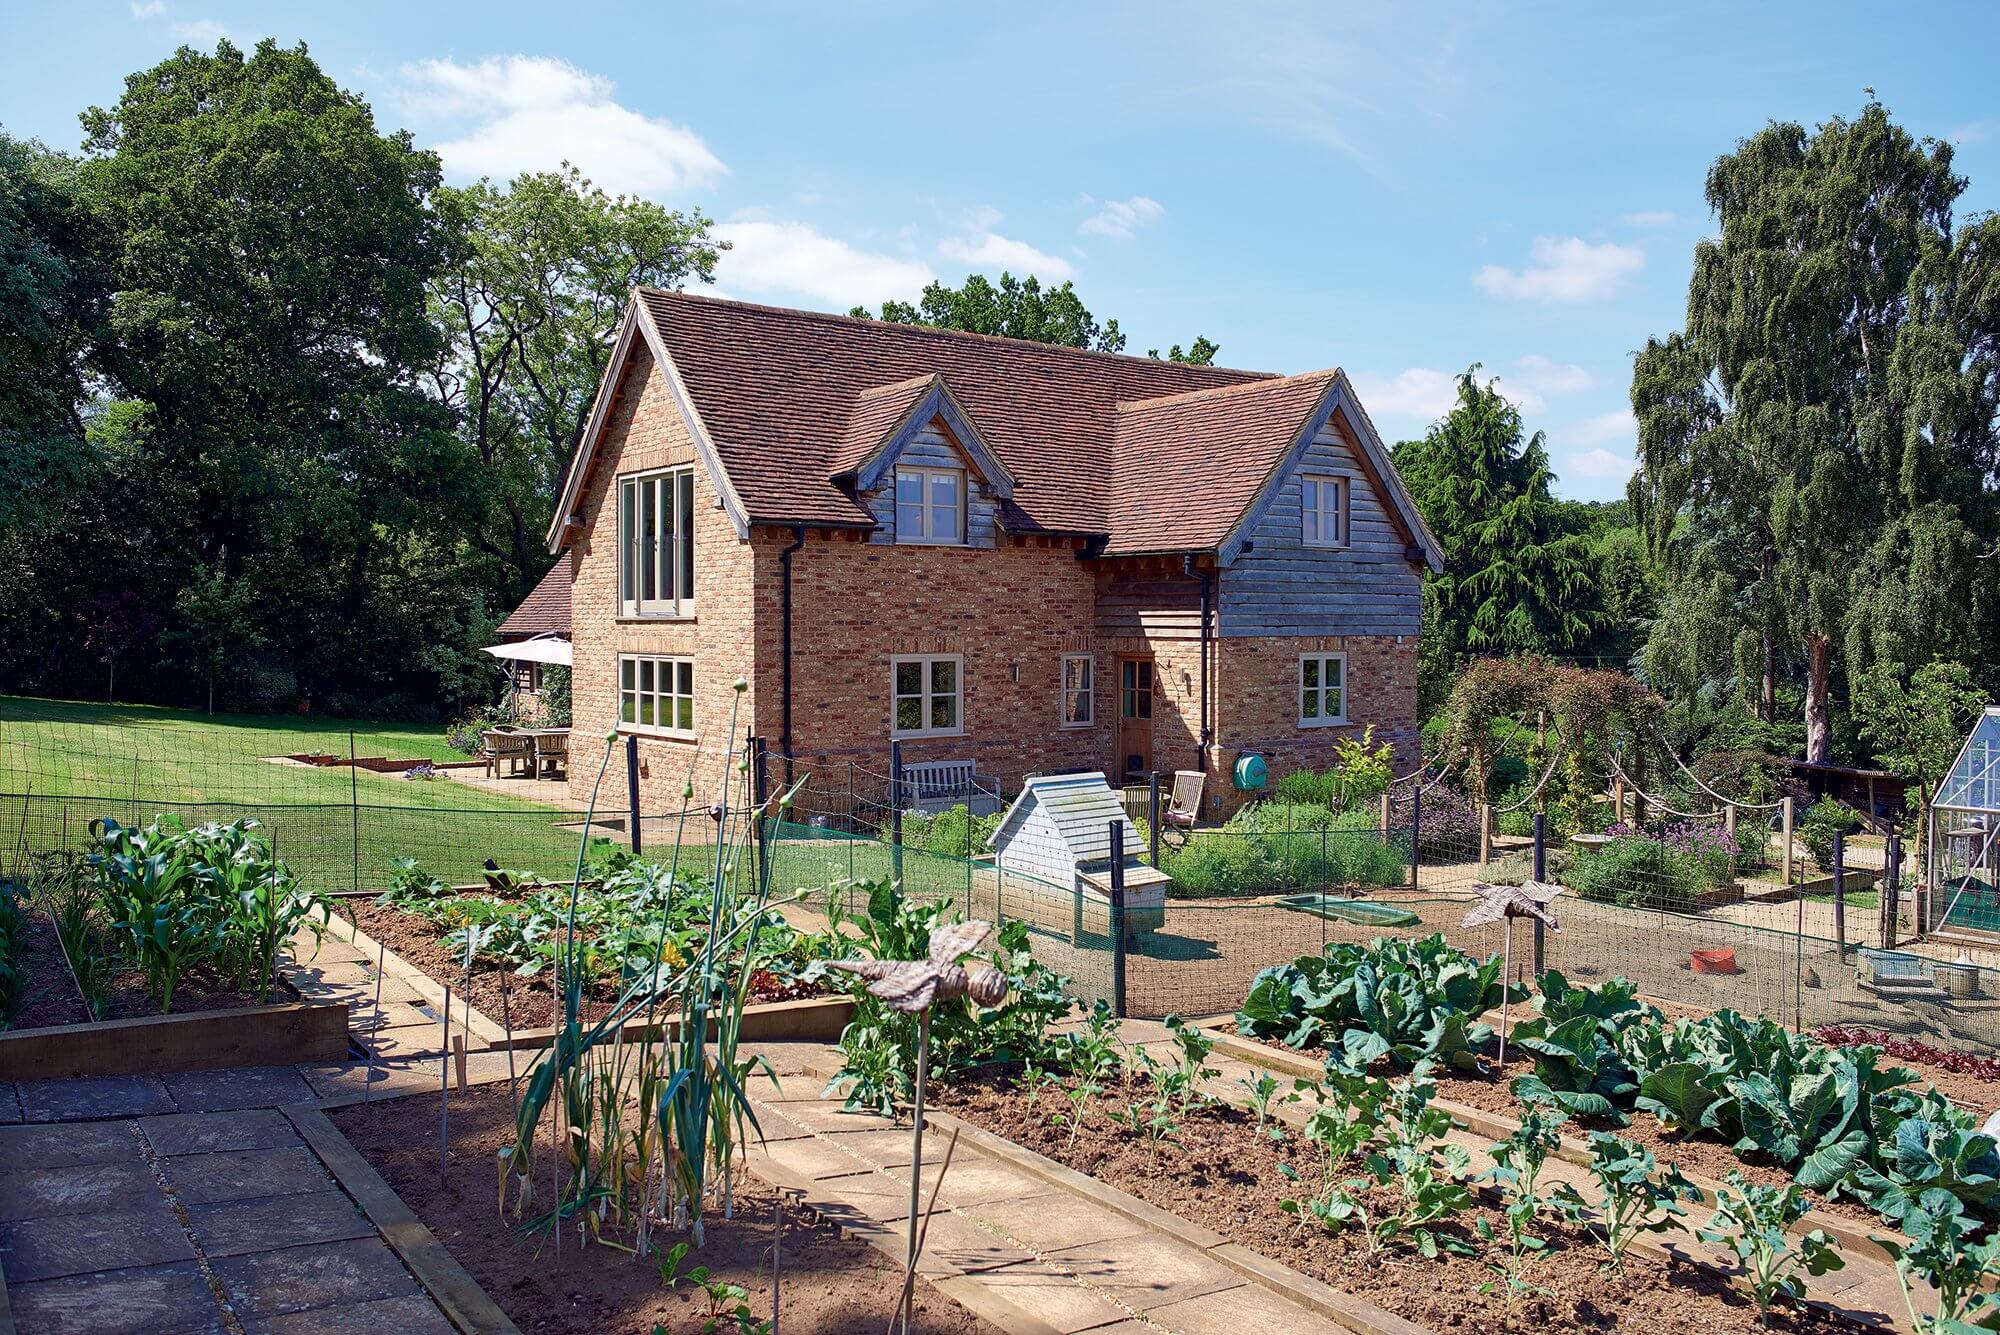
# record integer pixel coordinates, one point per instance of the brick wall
(645, 430)
(1259, 711)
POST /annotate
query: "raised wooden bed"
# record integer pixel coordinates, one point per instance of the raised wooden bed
(297, 1031)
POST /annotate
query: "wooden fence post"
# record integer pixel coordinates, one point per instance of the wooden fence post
(1485, 833)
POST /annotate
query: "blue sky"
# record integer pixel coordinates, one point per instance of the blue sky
(1397, 189)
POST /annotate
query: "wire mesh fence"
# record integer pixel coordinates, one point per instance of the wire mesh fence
(1697, 919)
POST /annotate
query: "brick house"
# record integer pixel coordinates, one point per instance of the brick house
(1029, 557)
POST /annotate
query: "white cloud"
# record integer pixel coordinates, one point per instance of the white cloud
(1120, 218)
(793, 258)
(1612, 428)
(1648, 218)
(1542, 375)
(1598, 463)
(1418, 394)
(201, 32)
(990, 250)
(148, 9)
(1564, 269)
(533, 113)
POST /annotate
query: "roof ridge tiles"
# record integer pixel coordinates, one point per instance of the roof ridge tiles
(1225, 391)
(932, 331)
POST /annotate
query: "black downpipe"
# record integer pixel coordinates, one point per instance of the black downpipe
(785, 646)
(1207, 621)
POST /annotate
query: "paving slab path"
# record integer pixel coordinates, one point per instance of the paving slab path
(1028, 1255)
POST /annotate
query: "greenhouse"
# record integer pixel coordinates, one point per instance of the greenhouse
(1965, 817)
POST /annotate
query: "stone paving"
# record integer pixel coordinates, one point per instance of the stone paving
(166, 1221)
(1006, 1244)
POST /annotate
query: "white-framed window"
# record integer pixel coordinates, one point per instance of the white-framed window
(1323, 502)
(927, 694)
(1078, 705)
(656, 543)
(656, 694)
(930, 505)
(1322, 690)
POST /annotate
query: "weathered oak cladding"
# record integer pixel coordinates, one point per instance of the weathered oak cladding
(932, 447)
(1147, 600)
(1283, 587)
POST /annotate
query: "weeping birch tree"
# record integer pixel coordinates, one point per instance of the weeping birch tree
(1816, 447)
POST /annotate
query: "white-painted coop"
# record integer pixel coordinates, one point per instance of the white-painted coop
(1059, 831)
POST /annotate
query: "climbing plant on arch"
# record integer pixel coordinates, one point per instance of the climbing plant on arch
(1587, 712)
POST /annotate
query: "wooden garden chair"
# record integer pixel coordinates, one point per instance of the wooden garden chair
(512, 748)
(1183, 808)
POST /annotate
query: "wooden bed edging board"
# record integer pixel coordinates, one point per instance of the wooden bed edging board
(1356, 1314)
(808, 1020)
(279, 1035)
(6, 1311)
(1850, 1235)
(464, 1303)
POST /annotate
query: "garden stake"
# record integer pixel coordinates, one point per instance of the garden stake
(1504, 903)
(368, 1089)
(911, 986)
(444, 1090)
(908, 1300)
(777, 1254)
(507, 1024)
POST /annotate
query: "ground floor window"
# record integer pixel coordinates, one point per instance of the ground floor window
(1077, 703)
(1322, 690)
(929, 693)
(656, 693)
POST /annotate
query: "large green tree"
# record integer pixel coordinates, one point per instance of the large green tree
(1816, 446)
(1023, 308)
(1518, 569)
(535, 279)
(270, 253)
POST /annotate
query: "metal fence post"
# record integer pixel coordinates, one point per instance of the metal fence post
(353, 806)
(1153, 813)
(1541, 873)
(1117, 916)
(1892, 878)
(1785, 841)
(1840, 893)
(632, 785)
(896, 811)
(1416, 829)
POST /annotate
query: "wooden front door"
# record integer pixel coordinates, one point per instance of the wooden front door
(1135, 715)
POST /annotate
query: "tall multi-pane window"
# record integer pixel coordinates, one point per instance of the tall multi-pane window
(930, 505)
(656, 543)
(928, 694)
(1076, 690)
(1322, 690)
(656, 693)
(1323, 502)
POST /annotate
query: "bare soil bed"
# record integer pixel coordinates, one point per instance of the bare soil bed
(53, 998)
(830, 1283)
(528, 1002)
(1226, 1174)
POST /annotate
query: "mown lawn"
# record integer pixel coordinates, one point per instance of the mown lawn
(64, 763)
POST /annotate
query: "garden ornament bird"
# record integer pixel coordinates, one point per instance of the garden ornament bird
(913, 987)
(1505, 903)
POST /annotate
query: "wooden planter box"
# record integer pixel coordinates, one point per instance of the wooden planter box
(280, 1035)
(810, 1020)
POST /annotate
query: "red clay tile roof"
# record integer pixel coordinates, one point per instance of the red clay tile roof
(777, 389)
(1151, 456)
(545, 611)
(1185, 468)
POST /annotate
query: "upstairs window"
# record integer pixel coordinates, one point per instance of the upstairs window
(930, 505)
(656, 544)
(656, 694)
(1322, 690)
(1324, 503)
(929, 694)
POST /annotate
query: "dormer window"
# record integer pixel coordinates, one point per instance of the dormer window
(930, 505)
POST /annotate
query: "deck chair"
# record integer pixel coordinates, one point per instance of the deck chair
(1184, 808)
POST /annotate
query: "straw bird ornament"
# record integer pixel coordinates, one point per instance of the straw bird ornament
(1530, 900)
(911, 986)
